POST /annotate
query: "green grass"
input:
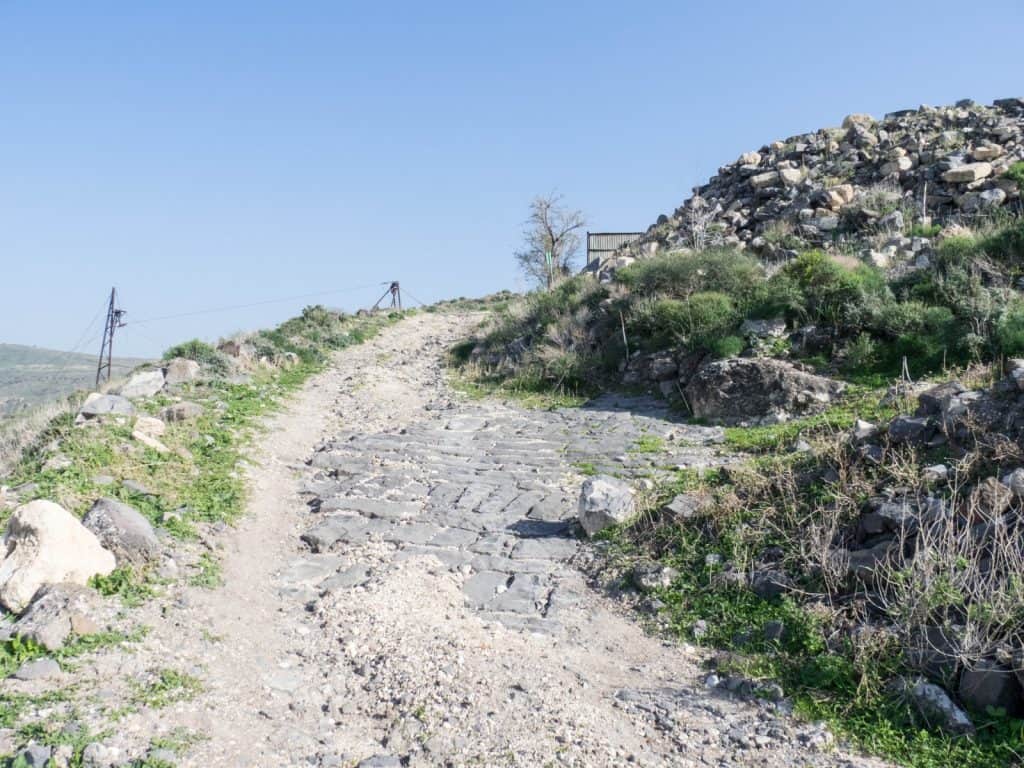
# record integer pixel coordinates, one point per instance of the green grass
(648, 444)
(129, 584)
(15, 651)
(164, 687)
(178, 741)
(527, 393)
(208, 573)
(858, 402)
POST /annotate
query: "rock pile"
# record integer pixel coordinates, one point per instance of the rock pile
(862, 184)
(969, 522)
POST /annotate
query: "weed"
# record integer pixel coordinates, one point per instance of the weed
(208, 572)
(164, 687)
(649, 444)
(129, 584)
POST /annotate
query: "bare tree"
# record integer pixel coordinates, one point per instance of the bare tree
(551, 240)
(700, 216)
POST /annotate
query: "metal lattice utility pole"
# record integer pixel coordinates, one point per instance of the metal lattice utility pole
(396, 297)
(114, 322)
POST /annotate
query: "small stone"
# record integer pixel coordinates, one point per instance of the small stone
(935, 705)
(604, 501)
(35, 756)
(133, 486)
(1015, 482)
(97, 405)
(123, 530)
(864, 430)
(380, 761)
(765, 180)
(142, 384)
(184, 411)
(769, 584)
(37, 669)
(775, 631)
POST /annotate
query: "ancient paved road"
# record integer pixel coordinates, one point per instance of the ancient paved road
(402, 592)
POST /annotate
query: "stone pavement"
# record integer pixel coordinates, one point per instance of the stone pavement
(488, 490)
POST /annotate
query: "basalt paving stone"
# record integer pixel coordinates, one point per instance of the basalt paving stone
(412, 533)
(459, 538)
(378, 508)
(311, 570)
(452, 558)
(527, 593)
(482, 587)
(354, 576)
(545, 549)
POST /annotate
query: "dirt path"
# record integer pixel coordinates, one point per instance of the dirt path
(408, 598)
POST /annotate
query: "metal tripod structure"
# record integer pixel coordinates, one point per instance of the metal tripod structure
(114, 321)
(396, 296)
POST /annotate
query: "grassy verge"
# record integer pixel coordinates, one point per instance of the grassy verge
(796, 639)
(199, 479)
(526, 392)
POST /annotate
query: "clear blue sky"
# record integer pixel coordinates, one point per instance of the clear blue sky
(202, 154)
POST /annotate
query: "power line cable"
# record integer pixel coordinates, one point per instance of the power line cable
(251, 304)
(421, 303)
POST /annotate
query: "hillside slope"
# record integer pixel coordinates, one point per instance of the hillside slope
(33, 375)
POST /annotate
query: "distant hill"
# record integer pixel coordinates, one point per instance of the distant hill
(31, 375)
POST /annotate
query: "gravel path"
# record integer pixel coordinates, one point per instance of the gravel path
(401, 592)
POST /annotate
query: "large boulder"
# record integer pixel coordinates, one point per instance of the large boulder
(142, 384)
(180, 370)
(57, 612)
(97, 405)
(604, 501)
(124, 531)
(757, 389)
(989, 684)
(45, 544)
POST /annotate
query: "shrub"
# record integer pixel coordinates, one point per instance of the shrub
(1007, 245)
(696, 323)
(1016, 174)
(727, 346)
(1009, 333)
(861, 354)
(833, 293)
(204, 354)
(924, 230)
(195, 349)
(680, 275)
(935, 339)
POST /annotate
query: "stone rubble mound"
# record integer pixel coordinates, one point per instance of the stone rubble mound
(862, 184)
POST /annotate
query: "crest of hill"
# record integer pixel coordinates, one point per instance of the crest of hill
(866, 187)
